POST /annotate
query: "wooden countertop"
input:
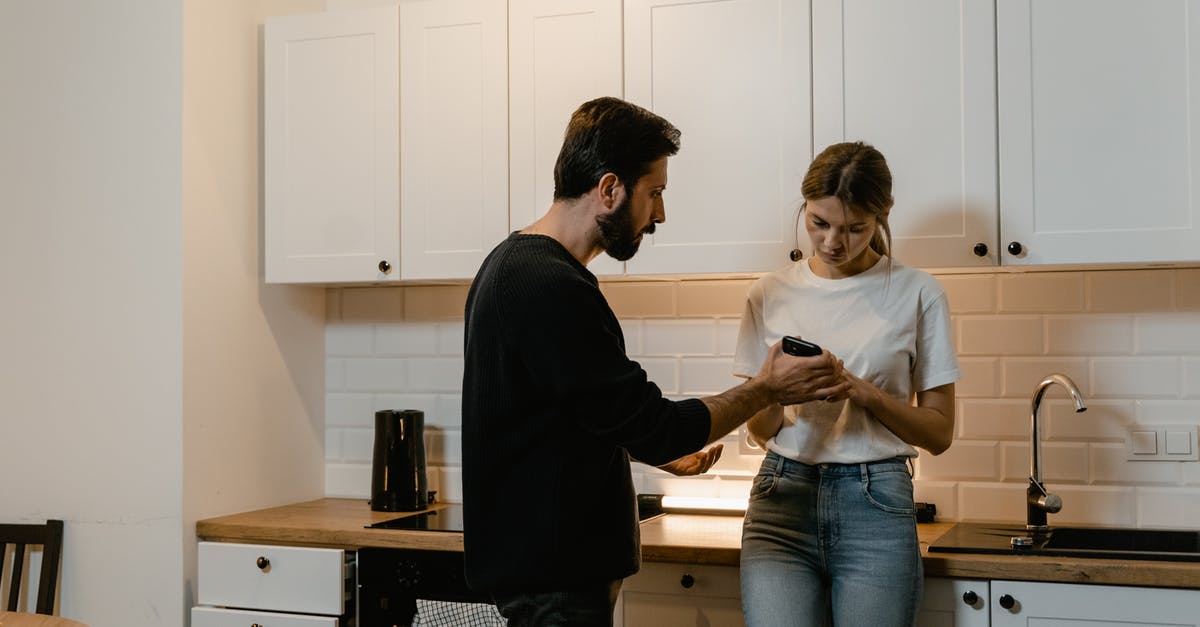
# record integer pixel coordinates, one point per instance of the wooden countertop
(672, 538)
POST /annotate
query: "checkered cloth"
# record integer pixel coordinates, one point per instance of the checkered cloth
(446, 613)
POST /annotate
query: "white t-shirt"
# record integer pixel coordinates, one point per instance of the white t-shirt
(893, 332)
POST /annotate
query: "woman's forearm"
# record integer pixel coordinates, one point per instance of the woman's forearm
(929, 424)
(765, 424)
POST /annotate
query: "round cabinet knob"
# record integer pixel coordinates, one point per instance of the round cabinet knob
(255, 625)
(262, 563)
(1015, 248)
(970, 598)
(981, 250)
(1007, 602)
(385, 266)
(687, 581)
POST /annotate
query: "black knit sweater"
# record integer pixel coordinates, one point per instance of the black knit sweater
(552, 410)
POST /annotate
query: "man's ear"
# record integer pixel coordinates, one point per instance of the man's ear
(607, 187)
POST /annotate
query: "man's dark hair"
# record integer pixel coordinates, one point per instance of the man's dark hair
(610, 135)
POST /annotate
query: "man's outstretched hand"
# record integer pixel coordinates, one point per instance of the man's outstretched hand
(697, 463)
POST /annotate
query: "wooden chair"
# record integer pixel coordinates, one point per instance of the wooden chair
(49, 536)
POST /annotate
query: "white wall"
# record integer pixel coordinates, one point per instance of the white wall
(1130, 339)
(147, 377)
(90, 263)
(252, 353)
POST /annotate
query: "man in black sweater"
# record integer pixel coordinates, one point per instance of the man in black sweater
(552, 406)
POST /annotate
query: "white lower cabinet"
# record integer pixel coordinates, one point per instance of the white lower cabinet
(978, 603)
(954, 603)
(272, 586)
(681, 595)
(1030, 603)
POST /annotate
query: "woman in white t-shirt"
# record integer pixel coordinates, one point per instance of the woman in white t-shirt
(831, 523)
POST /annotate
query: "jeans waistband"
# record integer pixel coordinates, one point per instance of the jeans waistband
(786, 465)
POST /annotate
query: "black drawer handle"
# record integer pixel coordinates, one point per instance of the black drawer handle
(687, 581)
(262, 563)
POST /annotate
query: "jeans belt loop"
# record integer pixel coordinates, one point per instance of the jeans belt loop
(865, 471)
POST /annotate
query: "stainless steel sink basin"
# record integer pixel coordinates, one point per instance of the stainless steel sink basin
(1097, 542)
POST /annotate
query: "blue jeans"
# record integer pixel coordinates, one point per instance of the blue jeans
(834, 537)
(588, 606)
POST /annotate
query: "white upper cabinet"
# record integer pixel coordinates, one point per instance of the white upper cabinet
(1099, 115)
(916, 79)
(454, 139)
(733, 76)
(331, 109)
(561, 54)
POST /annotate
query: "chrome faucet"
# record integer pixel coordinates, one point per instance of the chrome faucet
(1039, 502)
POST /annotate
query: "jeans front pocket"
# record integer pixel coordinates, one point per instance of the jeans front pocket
(890, 491)
(766, 480)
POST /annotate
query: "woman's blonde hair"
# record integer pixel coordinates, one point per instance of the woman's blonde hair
(858, 175)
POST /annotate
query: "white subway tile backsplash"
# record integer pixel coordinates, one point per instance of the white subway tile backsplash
(727, 333)
(358, 445)
(943, 494)
(993, 419)
(348, 480)
(1168, 412)
(680, 337)
(1135, 377)
(1061, 463)
(966, 460)
(372, 304)
(1168, 508)
(348, 339)
(406, 339)
(335, 374)
(706, 375)
(435, 374)
(1039, 292)
(1130, 339)
(1168, 333)
(1093, 334)
(426, 402)
(1021, 376)
(375, 375)
(664, 371)
(1110, 466)
(1130, 290)
(970, 293)
(349, 410)
(450, 335)
(1095, 505)
(991, 502)
(1000, 335)
(980, 377)
(1104, 421)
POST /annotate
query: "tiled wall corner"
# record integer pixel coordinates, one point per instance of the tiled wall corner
(1129, 338)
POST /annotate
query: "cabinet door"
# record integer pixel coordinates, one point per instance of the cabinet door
(454, 140)
(561, 53)
(331, 147)
(917, 81)
(1098, 104)
(954, 603)
(733, 76)
(682, 595)
(1077, 605)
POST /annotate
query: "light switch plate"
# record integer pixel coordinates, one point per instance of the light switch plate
(1162, 443)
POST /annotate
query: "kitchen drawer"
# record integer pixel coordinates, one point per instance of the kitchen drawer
(217, 617)
(290, 579)
(691, 579)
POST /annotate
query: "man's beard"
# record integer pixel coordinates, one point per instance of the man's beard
(617, 234)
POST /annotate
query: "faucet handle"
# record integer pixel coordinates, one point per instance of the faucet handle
(1050, 503)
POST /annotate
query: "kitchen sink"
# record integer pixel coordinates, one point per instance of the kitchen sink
(1097, 542)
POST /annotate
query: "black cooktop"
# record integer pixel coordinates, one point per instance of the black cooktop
(448, 518)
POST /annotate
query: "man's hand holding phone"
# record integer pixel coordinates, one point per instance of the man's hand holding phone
(799, 371)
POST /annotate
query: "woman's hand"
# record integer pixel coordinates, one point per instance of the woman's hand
(697, 463)
(861, 392)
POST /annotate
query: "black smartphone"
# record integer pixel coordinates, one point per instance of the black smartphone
(800, 348)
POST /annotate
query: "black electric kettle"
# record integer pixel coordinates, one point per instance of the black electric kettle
(398, 482)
